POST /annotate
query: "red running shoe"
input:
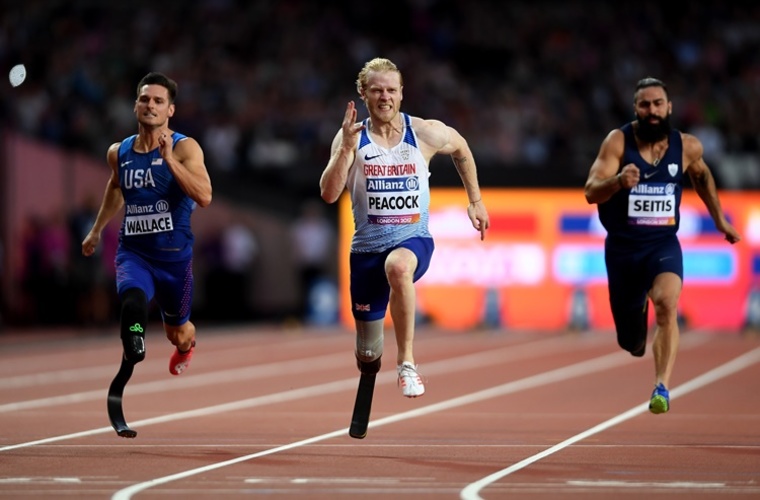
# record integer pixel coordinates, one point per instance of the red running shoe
(180, 360)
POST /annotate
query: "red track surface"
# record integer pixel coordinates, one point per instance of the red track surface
(265, 413)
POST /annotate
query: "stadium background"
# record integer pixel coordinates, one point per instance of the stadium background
(534, 88)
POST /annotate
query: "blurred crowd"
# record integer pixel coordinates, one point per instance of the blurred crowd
(56, 285)
(533, 86)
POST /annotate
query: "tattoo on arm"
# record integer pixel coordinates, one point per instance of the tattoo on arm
(460, 161)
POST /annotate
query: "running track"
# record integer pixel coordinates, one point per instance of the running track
(264, 412)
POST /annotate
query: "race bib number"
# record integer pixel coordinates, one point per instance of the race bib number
(393, 200)
(652, 205)
(147, 224)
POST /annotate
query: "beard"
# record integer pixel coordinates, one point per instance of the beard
(652, 132)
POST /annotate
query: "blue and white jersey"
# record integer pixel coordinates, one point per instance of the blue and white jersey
(390, 193)
(157, 212)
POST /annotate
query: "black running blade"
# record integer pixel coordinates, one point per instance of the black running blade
(115, 393)
(362, 406)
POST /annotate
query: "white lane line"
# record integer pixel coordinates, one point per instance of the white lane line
(608, 361)
(56, 377)
(260, 371)
(40, 480)
(647, 484)
(334, 480)
(471, 491)
(256, 338)
(150, 365)
(521, 351)
(307, 392)
(308, 365)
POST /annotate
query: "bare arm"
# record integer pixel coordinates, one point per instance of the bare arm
(112, 202)
(604, 180)
(704, 185)
(187, 166)
(441, 139)
(342, 155)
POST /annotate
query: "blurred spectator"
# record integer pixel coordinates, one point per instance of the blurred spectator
(257, 83)
(90, 287)
(230, 257)
(45, 276)
(3, 303)
(221, 141)
(714, 148)
(314, 248)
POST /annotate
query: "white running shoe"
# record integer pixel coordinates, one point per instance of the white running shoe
(409, 380)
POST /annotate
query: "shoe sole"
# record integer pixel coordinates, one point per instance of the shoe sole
(411, 395)
(658, 404)
(178, 369)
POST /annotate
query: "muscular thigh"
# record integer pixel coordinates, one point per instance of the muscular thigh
(174, 290)
(631, 272)
(369, 286)
(132, 271)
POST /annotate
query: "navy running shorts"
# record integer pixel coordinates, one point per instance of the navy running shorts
(370, 290)
(171, 283)
(630, 275)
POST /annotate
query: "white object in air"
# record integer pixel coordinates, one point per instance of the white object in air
(17, 75)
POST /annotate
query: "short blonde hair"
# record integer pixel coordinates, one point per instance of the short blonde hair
(378, 64)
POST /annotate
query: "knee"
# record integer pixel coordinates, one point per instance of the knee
(632, 328)
(632, 334)
(636, 346)
(665, 307)
(398, 272)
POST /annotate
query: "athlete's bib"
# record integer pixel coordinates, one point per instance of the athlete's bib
(393, 200)
(147, 219)
(652, 205)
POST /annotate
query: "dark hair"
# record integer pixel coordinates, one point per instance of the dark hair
(159, 79)
(650, 82)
